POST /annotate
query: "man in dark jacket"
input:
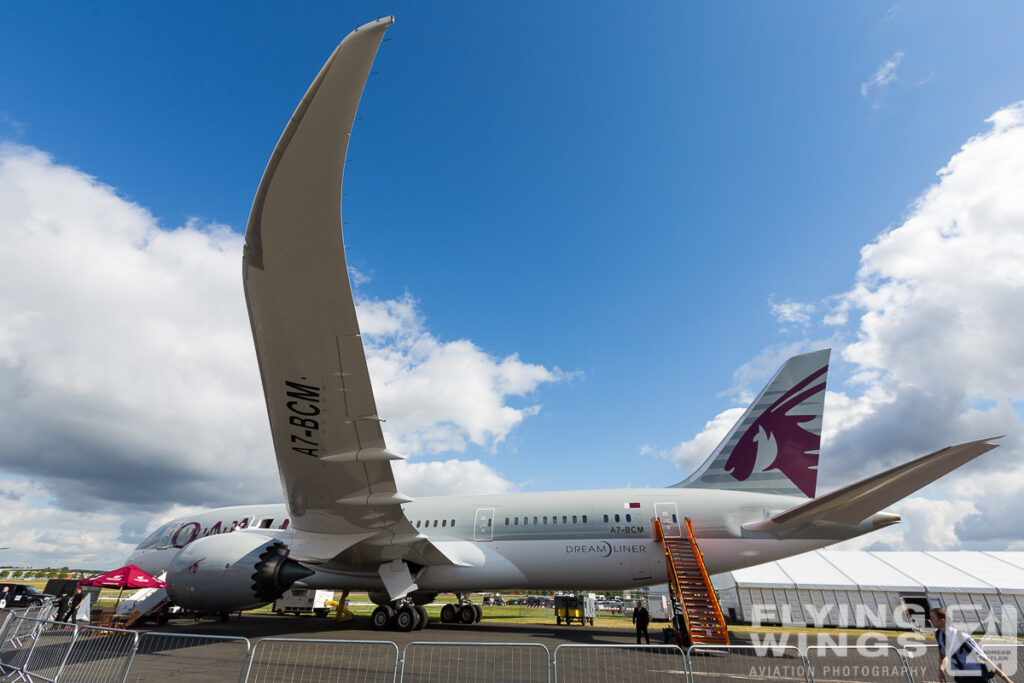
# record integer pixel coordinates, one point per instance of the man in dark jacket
(76, 600)
(62, 606)
(641, 618)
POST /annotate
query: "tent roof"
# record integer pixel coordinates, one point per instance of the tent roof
(956, 572)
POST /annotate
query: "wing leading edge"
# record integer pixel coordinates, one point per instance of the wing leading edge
(334, 465)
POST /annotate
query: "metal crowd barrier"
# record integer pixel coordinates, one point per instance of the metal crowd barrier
(282, 660)
(619, 663)
(746, 663)
(479, 662)
(188, 657)
(52, 651)
(870, 663)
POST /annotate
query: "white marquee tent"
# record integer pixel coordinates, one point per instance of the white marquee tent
(844, 588)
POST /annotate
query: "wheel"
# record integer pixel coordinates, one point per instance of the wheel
(422, 611)
(321, 612)
(381, 617)
(406, 618)
(163, 618)
(558, 621)
(479, 613)
(467, 614)
(449, 615)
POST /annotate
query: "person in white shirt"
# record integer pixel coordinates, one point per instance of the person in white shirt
(961, 656)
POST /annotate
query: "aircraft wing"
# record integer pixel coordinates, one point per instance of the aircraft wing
(855, 503)
(334, 465)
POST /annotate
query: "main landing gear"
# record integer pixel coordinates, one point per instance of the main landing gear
(405, 616)
(462, 613)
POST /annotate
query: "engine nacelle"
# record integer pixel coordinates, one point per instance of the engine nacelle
(231, 572)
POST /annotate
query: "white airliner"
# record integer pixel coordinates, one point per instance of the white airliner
(345, 525)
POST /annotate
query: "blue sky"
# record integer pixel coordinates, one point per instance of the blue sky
(621, 193)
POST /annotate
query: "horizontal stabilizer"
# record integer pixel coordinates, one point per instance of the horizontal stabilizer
(854, 503)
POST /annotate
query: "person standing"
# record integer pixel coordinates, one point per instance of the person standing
(960, 655)
(641, 618)
(76, 600)
(4, 592)
(62, 605)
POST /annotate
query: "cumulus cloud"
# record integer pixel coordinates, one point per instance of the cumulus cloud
(885, 75)
(930, 330)
(792, 312)
(128, 380)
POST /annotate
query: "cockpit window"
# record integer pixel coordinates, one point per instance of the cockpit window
(160, 538)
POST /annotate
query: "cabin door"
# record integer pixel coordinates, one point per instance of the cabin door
(483, 526)
(667, 514)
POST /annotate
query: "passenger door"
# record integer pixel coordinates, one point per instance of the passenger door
(483, 525)
(667, 514)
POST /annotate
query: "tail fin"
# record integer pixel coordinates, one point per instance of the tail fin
(774, 446)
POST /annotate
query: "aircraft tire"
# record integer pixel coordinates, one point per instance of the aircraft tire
(382, 617)
(422, 611)
(449, 615)
(467, 614)
(479, 613)
(406, 619)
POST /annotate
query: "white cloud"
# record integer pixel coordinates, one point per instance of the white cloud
(128, 381)
(449, 478)
(936, 358)
(794, 312)
(885, 75)
(690, 454)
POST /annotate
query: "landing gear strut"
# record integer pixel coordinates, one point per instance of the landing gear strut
(404, 616)
(463, 612)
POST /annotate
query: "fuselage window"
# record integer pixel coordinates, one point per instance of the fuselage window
(616, 518)
(516, 522)
(417, 524)
(584, 519)
(435, 522)
(574, 519)
(564, 520)
(506, 521)
(606, 518)
(444, 522)
(534, 520)
(629, 518)
(526, 521)
(545, 519)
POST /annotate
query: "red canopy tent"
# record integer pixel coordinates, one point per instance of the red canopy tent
(125, 577)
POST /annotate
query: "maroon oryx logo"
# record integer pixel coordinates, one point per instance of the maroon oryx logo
(778, 441)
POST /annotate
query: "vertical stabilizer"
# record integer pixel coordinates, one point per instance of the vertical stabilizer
(774, 446)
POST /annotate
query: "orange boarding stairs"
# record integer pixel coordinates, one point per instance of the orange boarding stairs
(690, 588)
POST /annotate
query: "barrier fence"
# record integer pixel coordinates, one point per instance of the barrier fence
(746, 663)
(281, 660)
(618, 663)
(32, 649)
(185, 656)
(478, 662)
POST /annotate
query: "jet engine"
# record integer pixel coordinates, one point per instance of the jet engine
(231, 572)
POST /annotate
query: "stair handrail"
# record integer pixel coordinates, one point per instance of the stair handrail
(719, 617)
(659, 535)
